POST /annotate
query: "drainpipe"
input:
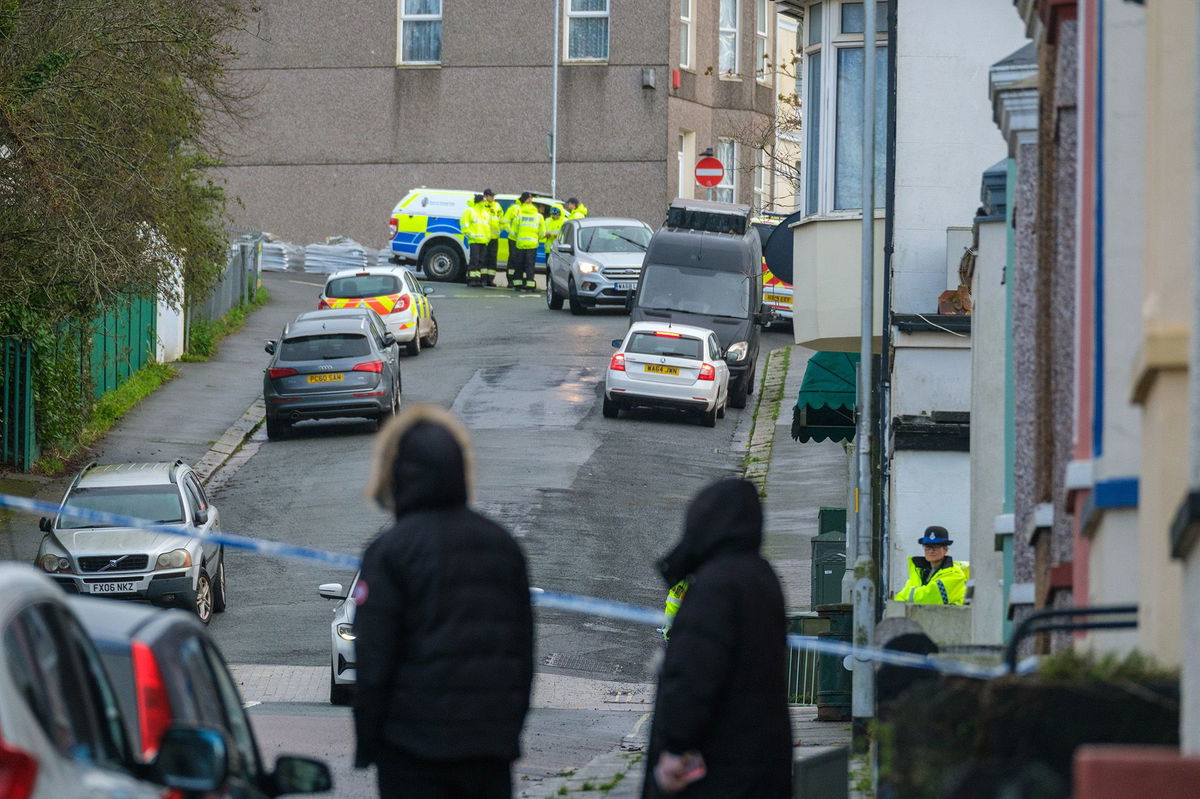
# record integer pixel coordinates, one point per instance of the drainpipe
(884, 426)
(554, 105)
(863, 686)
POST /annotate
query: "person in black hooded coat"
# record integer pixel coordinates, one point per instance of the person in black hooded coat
(444, 626)
(722, 691)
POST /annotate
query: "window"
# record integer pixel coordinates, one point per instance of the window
(726, 190)
(420, 40)
(687, 155)
(762, 18)
(812, 128)
(728, 38)
(760, 181)
(854, 18)
(587, 30)
(848, 174)
(685, 33)
(157, 503)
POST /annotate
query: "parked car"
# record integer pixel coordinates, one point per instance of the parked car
(391, 291)
(668, 366)
(166, 670)
(358, 312)
(342, 674)
(330, 368)
(777, 293)
(62, 732)
(596, 261)
(86, 557)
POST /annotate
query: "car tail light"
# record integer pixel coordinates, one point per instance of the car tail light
(18, 772)
(281, 371)
(707, 372)
(369, 366)
(393, 224)
(402, 303)
(665, 334)
(323, 305)
(617, 364)
(154, 707)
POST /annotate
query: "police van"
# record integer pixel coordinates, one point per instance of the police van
(425, 230)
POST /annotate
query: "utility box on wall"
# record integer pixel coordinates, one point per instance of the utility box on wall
(828, 557)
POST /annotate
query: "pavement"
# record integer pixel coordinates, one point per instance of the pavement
(223, 398)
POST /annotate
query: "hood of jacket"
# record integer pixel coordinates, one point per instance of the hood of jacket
(422, 460)
(724, 517)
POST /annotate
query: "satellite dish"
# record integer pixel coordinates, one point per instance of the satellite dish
(778, 250)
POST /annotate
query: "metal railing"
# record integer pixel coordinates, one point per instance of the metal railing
(1038, 623)
(238, 282)
(802, 676)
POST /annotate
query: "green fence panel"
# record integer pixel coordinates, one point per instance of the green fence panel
(18, 431)
(123, 341)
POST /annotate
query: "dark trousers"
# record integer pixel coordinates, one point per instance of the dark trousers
(522, 267)
(489, 259)
(402, 776)
(476, 264)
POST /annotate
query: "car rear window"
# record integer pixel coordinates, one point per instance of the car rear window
(358, 287)
(155, 503)
(652, 344)
(324, 347)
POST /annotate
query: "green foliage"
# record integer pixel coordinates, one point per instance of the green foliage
(613, 782)
(203, 335)
(61, 393)
(1088, 667)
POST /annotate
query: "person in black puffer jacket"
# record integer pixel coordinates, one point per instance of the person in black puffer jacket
(721, 726)
(444, 625)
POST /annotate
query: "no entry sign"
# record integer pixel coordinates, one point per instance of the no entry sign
(709, 172)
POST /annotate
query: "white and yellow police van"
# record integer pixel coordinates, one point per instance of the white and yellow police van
(425, 231)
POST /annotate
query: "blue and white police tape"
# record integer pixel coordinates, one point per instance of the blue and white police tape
(572, 603)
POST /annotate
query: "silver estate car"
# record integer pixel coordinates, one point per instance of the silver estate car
(86, 557)
(596, 261)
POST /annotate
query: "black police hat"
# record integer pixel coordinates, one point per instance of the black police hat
(935, 536)
(489, 193)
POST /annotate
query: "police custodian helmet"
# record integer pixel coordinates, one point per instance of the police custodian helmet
(935, 536)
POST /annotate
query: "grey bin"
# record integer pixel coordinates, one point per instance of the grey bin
(828, 557)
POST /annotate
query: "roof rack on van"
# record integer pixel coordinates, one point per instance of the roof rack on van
(712, 217)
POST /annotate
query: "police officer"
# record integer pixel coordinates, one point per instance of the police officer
(575, 209)
(935, 579)
(476, 227)
(554, 223)
(530, 229)
(509, 227)
(495, 218)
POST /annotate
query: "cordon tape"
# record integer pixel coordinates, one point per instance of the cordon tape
(572, 603)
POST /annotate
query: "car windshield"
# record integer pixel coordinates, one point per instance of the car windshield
(651, 343)
(626, 238)
(324, 347)
(155, 503)
(690, 289)
(358, 287)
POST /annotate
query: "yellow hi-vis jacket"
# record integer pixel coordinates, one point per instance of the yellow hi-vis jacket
(510, 219)
(946, 586)
(580, 212)
(674, 600)
(474, 224)
(553, 226)
(529, 226)
(495, 214)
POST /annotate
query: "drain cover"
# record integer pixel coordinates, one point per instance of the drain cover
(562, 660)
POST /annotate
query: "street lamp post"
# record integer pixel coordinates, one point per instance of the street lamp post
(554, 108)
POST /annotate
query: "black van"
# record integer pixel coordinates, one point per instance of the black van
(704, 268)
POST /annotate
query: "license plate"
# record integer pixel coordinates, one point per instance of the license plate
(659, 369)
(625, 286)
(778, 299)
(336, 377)
(113, 588)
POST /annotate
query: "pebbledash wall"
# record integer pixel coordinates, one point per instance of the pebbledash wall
(339, 132)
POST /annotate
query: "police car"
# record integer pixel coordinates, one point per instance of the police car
(425, 231)
(392, 292)
(777, 294)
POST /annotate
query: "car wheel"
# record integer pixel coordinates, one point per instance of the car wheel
(430, 341)
(721, 410)
(709, 418)
(554, 300)
(611, 409)
(737, 392)
(339, 694)
(413, 348)
(204, 597)
(442, 262)
(577, 307)
(218, 588)
(751, 379)
(276, 428)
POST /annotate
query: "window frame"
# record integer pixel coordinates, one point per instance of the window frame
(687, 45)
(730, 170)
(569, 16)
(401, 18)
(762, 41)
(759, 190)
(735, 72)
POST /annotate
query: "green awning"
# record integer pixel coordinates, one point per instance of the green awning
(825, 406)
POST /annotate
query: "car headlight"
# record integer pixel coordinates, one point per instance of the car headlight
(587, 267)
(738, 350)
(175, 559)
(54, 563)
(345, 632)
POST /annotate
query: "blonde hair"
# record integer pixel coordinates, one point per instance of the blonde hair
(387, 447)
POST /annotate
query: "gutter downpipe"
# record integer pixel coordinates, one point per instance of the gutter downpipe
(554, 105)
(863, 685)
(885, 350)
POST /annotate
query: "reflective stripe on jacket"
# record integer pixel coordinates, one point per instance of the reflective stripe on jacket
(530, 227)
(946, 586)
(474, 224)
(494, 216)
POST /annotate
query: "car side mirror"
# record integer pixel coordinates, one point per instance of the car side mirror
(191, 759)
(766, 317)
(45, 525)
(331, 591)
(428, 290)
(566, 249)
(388, 339)
(301, 775)
(201, 516)
(270, 348)
(616, 342)
(729, 357)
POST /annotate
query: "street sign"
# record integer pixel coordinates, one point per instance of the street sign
(709, 172)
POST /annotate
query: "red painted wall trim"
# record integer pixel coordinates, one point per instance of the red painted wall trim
(1054, 13)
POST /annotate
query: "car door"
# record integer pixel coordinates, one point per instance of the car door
(197, 501)
(560, 267)
(386, 351)
(420, 304)
(247, 779)
(721, 367)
